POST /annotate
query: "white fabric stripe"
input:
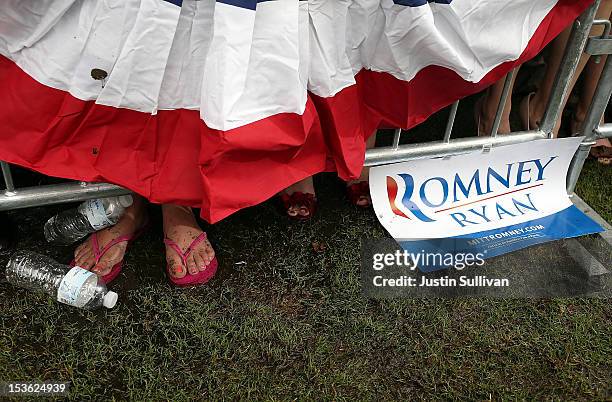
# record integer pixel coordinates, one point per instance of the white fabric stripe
(253, 67)
(184, 75)
(237, 65)
(137, 76)
(330, 67)
(467, 36)
(129, 40)
(227, 62)
(24, 22)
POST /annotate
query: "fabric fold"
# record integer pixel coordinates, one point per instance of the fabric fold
(222, 104)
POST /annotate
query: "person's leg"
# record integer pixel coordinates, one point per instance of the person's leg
(181, 227)
(486, 108)
(358, 197)
(592, 73)
(133, 219)
(533, 108)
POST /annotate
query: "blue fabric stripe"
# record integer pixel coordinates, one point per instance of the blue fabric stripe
(418, 3)
(252, 4)
(248, 4)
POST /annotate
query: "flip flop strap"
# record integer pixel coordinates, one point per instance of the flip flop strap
(185, 254)
(96, 245)
(299, 199)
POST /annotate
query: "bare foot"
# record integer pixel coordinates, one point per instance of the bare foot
(132, 220)
(305, 186)
(181, 227)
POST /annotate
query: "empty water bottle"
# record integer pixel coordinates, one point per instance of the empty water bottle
(70, 226)
(70, 285)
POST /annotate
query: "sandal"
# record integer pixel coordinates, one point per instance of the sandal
(191, 280)
(299, 200)
(357, 192)
(603, 154)
(116, 269)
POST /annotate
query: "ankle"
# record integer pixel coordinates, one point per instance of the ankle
(304, 186)
(365, 174)
(135, 214)
(177, 215)
(135, 219)
(537, 107)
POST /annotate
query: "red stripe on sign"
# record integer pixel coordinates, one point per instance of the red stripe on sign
(489, 198)
(392, 191)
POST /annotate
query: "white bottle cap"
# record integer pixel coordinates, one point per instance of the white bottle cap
(125, 200)
(110, 299)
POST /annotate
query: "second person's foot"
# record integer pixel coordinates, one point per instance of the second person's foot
(298, 200)
(103, 251)
(190, 256)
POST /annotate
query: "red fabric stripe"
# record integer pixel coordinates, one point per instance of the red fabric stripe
(173, 157)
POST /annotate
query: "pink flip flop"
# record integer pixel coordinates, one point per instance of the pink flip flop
(191, 280)
(116, 270)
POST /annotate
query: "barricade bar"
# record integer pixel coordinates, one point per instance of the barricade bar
(397, 134)
(599, 46)
(386, 155)
(57, 194)
(8, 177)
(590, 128)
(604, 131)
(502, 102)
(602, 45)
(451, 122)
(575, 47)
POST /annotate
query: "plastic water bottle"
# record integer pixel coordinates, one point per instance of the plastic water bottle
(69, 226)
(74, 286)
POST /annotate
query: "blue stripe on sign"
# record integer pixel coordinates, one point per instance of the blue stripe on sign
(175, 2)
(417, 3)
(570, 222)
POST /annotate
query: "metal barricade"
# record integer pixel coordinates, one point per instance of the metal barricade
(579, 42)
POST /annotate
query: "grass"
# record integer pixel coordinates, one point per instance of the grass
(286, 320)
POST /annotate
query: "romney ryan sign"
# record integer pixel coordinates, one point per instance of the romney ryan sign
(490, 203)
